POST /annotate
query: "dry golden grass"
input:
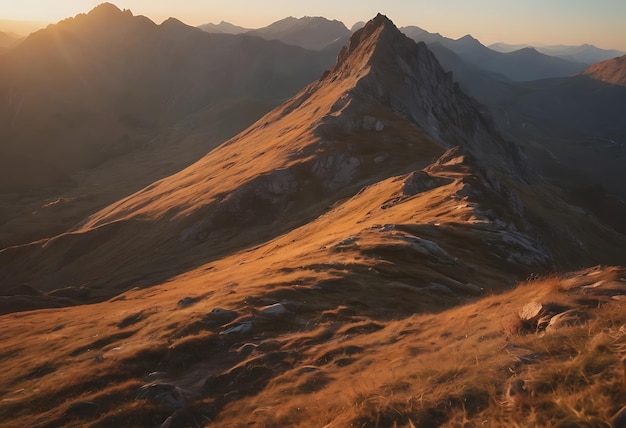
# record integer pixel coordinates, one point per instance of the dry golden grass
(324, 366)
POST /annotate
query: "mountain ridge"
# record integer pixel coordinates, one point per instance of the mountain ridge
(386, 91)
(349, 259)
(309, 32)
(609, 71)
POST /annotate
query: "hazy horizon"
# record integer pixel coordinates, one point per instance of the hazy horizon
(531, 22)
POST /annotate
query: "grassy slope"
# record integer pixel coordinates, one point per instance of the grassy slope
(324, 365)
(354, 348)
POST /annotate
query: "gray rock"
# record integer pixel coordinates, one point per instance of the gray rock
(240, 328)
(186, 301)
(348, 241)
(274, 311)
(220, 316)
(567, 319)
(169, 394)
(421, 181)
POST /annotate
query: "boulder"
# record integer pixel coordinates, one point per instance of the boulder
(240, 328)
(274, 311)
(166, 393)
(567, 319)
(531, 311)
(220, 316)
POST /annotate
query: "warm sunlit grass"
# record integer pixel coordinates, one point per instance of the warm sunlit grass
(335, 368)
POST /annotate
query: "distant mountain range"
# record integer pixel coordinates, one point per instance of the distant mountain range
(586, 54)
(223, 28)
(319, 33)
(521, 65)
(8, 41)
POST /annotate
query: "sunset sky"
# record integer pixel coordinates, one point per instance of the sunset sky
(599, 22)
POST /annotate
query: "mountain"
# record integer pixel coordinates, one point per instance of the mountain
(386, 108)
(90, 115)
(521, 65)
(223, 28)
(350, 259)
(308, 32)
(420, 35)
(508, 47)
(8, 40)
(610, 71)
(585, 54)
(357, 26)
(570, 126)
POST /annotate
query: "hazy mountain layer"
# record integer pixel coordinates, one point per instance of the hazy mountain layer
(308, 32)
(223, 27)
(520, 65)
(586, 54)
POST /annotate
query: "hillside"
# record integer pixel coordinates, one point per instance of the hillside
(88, 117)
(610, 71)
(571, 128)
(372, 252)
(142, 360)
(298, 160)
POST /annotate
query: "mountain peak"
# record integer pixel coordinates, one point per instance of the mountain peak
(377, 35)
(106, 10)
(386, 68)
(380, 21)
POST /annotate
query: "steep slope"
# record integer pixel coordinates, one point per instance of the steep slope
(610, 71)
(309, 32)
(571, 128)
(311, 271)
(108, 112)
(385, 109)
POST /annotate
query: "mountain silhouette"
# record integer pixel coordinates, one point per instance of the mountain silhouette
(223, 28)
(585, 53)
(310, 32)
(520, 65)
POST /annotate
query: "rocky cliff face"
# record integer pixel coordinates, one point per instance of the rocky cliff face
(405, 77)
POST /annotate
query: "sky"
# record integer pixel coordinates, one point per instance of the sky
(599, 22)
